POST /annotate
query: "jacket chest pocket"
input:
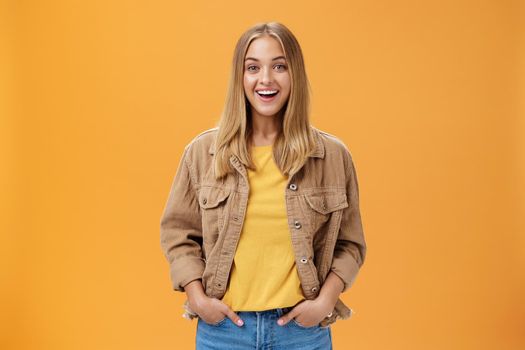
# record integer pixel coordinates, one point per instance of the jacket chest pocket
(212, 202)
(320, 205)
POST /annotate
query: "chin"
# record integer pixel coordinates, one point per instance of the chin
(268, 113)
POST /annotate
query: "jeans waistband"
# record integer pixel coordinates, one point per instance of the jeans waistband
(279, 311)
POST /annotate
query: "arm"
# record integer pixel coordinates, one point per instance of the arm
(180, 228)
(350, 248)
(331, 289)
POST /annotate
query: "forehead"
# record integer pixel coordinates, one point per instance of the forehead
(265, 47)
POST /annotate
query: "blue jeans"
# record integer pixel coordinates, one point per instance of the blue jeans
(261, 331)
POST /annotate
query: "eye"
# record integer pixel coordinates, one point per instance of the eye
(249, 68)
(281, 66)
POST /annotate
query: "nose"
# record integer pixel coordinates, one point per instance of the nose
(267, 76)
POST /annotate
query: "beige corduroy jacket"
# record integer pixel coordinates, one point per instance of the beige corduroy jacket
(202, 219)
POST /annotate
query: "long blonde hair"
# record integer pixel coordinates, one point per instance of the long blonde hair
(295, 140)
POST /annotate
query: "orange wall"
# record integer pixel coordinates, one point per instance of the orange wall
(99, 98)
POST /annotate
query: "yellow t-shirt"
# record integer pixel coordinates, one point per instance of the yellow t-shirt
(264, 275)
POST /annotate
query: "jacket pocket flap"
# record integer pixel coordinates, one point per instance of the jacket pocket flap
(210, 197)
(327, 202)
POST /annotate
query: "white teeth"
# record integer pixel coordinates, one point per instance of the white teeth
(266, 92)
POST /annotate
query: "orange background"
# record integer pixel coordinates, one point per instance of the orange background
(99, 98)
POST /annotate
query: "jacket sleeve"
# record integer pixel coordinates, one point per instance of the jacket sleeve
(350, 247)
(181, 230)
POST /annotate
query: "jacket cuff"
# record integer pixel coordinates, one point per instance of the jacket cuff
(184, 270)
(347, 268)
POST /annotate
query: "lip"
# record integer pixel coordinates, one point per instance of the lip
(262, 89)
(267, 99)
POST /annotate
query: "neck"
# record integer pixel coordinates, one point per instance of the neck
(265, 128)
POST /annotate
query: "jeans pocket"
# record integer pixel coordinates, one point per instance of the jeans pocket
(216, 324)
(300, 325)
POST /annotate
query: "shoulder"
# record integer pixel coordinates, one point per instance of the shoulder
(333, 144)
(200, 143)
(203, 138)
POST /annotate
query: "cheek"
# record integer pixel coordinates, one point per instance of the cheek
(248, 84)
(286, 84)
(286, 90)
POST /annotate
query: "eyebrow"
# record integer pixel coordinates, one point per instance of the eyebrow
(273, 59)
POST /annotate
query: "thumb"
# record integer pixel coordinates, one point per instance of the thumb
(285, 318)
(234, 317)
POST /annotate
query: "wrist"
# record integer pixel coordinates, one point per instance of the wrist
(195, 293)
(328, 301)
(330, 291)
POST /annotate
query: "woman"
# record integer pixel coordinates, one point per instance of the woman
(262, 227)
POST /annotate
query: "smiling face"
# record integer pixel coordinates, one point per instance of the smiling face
(267, 80)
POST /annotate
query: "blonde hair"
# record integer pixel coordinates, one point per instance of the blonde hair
(295, 140)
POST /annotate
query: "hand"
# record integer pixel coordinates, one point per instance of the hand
(213, 310)
(308, 313)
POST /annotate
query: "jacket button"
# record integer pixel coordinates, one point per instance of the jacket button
(297, 224)
(204, 201)
(293, 187)
(304, 260)
(235, 218)
(314, 289)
